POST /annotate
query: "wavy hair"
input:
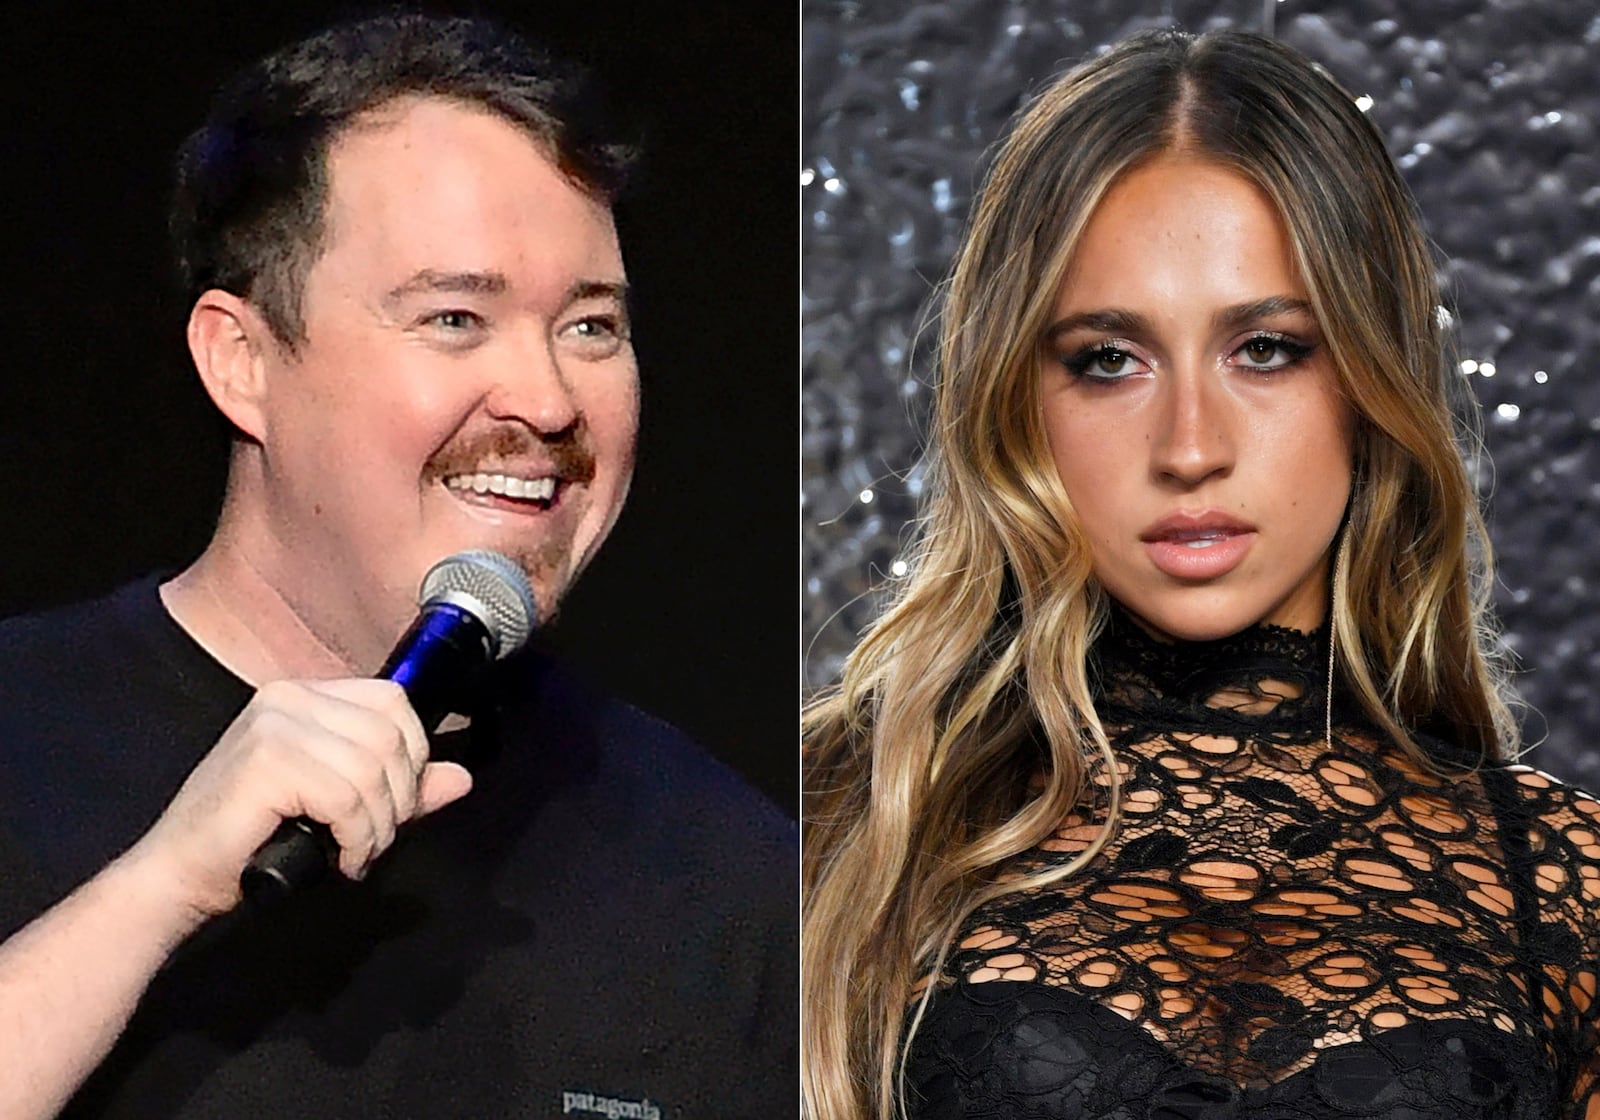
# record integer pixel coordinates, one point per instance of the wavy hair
(963, 729)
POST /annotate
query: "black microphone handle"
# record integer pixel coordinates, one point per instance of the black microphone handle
(434, 661)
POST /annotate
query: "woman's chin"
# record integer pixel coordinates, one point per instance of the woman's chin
(1202, 623)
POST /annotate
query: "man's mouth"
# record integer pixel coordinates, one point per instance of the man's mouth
(511, 471)
(539, 491)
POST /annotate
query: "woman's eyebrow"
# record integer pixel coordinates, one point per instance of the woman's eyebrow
(1116, 320)
(1243, 314)
(1110, 320)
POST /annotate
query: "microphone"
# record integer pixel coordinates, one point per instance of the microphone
(474, 608)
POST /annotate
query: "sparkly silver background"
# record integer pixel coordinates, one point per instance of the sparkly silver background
(1491, 111)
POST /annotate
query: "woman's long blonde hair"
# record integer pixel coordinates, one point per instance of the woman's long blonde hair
(963, 730)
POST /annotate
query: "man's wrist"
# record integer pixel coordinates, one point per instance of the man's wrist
(147, 892)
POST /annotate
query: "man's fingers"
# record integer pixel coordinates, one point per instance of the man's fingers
(442, 783)
(328, 796)
(385, 698)
(375, 717)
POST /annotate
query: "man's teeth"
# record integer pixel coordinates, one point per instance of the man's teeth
(534, 489)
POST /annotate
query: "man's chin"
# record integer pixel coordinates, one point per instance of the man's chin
(549, 582)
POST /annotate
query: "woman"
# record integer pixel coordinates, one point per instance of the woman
(1172, 782)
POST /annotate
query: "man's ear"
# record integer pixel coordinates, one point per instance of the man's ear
(230, 344)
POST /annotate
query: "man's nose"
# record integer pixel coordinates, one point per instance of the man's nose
(1194, 436)
(532, 387)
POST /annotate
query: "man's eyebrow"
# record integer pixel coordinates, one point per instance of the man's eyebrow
(598, 289)
(433, 280)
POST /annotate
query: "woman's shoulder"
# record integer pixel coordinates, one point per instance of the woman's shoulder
(1534, 795)
(1562, 819)
(1533, 788)
(1548, 831)
(1537, 835)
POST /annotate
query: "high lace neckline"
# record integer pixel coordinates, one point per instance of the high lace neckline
(1263, 679)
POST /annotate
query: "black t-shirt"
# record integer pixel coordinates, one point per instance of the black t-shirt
(606, 925)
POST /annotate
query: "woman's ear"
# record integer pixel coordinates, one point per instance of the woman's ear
(230, 342)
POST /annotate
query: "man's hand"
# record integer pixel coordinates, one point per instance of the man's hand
(348, 753)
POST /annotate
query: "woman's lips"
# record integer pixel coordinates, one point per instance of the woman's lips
(1199, 546)
(1200, 558)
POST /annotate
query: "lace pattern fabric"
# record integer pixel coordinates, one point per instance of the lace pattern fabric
(1283, 925)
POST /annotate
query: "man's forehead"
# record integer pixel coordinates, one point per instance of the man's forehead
(444, 189)
(403, 109)
(419, 131)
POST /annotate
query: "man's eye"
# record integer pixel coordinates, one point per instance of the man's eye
(456, 320)
(597, 337)
(598, 327)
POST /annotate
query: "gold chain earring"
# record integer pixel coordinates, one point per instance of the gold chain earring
(1339, 558)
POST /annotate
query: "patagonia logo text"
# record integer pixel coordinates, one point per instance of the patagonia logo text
(613, 1108)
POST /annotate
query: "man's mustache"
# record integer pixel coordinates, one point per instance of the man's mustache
(516, 450)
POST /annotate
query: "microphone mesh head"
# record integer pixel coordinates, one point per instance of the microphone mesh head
(492, 587)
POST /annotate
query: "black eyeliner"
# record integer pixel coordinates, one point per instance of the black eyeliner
(1077, 363)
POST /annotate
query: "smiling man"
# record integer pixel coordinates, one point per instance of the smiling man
(458, 375)
(410, 304)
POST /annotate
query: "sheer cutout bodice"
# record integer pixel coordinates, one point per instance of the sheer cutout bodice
(1284, 925)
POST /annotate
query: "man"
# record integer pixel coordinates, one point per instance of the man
(411, 307)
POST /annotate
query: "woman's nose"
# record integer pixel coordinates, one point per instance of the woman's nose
(1193, 437)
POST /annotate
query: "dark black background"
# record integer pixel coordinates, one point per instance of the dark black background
(113, 464)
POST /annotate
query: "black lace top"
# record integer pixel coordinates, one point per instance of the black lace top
(1284, 926)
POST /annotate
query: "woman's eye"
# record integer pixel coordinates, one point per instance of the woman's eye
(1101, 363)
(1268, 352)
